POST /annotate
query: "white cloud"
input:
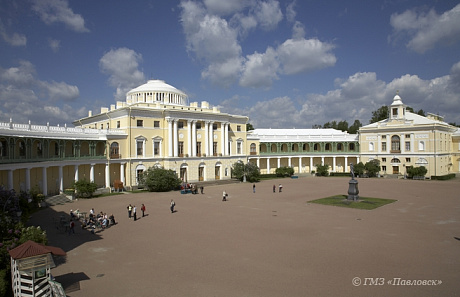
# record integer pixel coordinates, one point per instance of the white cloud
(226, 7)
(427, 30)
(54, 44)
(122, 67)
(302, 55)
(15, 39)
(58, 11)
(24, 97)
(260, 69)
(290, 11)
(268, 14)
(223, 74)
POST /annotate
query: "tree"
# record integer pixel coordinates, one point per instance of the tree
(85, 188)
(249, 127)
(359, 169)
(372, 167)
(322, 170)
(416, 171)
(342, 126)
(252, 172)
(158, 179)
(353, 129)
(379, 114)
(284, 171)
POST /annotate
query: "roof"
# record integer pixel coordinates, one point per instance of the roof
(286, 135)
(31, 248)
(156, 85)
(411, 118)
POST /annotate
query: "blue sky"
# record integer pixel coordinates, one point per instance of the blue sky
(285, 64)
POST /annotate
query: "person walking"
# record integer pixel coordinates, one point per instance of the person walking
(72, 227)
(172, 205)
(134, 213)
(274, 189)
(254, 188)
(143, 209)
(224, 196)
(202, 189)
(130, 209)
(280, 188)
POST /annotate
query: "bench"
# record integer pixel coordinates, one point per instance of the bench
(294, 176)
(418, 177)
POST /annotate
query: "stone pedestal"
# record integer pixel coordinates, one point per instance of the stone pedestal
(353, 190)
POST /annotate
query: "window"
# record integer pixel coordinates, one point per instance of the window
(407, 135)
(214, 126)
(316, 147)
(140, 147)
(384, 168)
(384, 137)
(339, 146)
(198, 126)
(140, 123)
(102, 126)
(156, 148)
(180, 125)
(22, 148)
(407, 146)
(238, 148)
(352, 147)
(395, 111)
(384, 159)
(408, 160)
(198, 148)
(384, 146)
(3, 148)
(214, 148)
(395, 145)
(238, 128)
(114, 150)
(252, 149)
(39, 149)
(156, 124)
(181, 148)
(118, 124)
(421, 146)
(328, 146)
(108, 126)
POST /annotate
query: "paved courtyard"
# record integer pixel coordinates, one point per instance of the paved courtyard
(267, 244)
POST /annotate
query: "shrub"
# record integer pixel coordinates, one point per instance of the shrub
(284, 171)
(252, 172)
(85, 188)
(322, 170)
(158, 179)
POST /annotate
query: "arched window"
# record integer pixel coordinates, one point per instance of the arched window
(22, 148)
(3, 148)
(316, 147)
(339, 146)
(395, 144)
(371, 146)
(421, 146)
(351, 146)
(253, 149)
(328, 147)
(114, 151)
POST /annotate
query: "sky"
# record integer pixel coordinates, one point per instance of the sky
(284, 64)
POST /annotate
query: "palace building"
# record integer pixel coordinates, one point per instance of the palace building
(156, 126)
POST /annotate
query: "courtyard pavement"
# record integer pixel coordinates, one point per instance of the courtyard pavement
(267, 244)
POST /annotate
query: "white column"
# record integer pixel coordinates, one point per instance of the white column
(107, 175)
(193, 138)
(222, 138)
(76, 173)
(289, 161)
(311, 164)
(206, 138)
(27, 179)
(300, 164)
(10, 179)
(322, 160)
(279, 163)
(226, 139)
(61, 180)
(91, 173)
(346, 164)
(258, 162)
(412, 142)
(44, 182)
(333, 163)
(170, 137)
(379, 145)
(211, 139)
(122, 173)
(175, 141)
(189, 138)
(268, 165)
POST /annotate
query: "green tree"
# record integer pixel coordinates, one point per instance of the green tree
(372, 167)
(353, 129)
(342, 126)
(379, 114)
(416, 171)
(158, 179)
(252, 172)
(284, 171)
(85, 188)
(322, 170)
(359, 169)
(249, 127)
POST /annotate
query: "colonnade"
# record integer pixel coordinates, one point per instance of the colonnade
(173, 138)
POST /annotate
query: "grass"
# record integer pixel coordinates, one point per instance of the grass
(363, 202)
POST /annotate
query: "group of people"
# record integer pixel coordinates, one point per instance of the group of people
(95, 220)
(280, 187)
(132, 211)
(193, 188)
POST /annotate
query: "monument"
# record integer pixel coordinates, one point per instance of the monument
(353, 186)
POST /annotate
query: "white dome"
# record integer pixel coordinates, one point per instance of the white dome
(156, 91)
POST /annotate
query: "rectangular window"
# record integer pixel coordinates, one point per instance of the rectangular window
(407, 135)
(198, 126)
(408, 160)
(102, 126)
(140, 123)
(198, 149)
(156, 124)
(181, 148)
(384, 146)
(395, 111)
(156, 148)
(238, 128)
(180, 125)
(214, 126)
(118, 124)
(384, 137)
(238, 148)
(140, 148)
(384, 168)
(214, 148)
(384, 159)
(407, 146)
